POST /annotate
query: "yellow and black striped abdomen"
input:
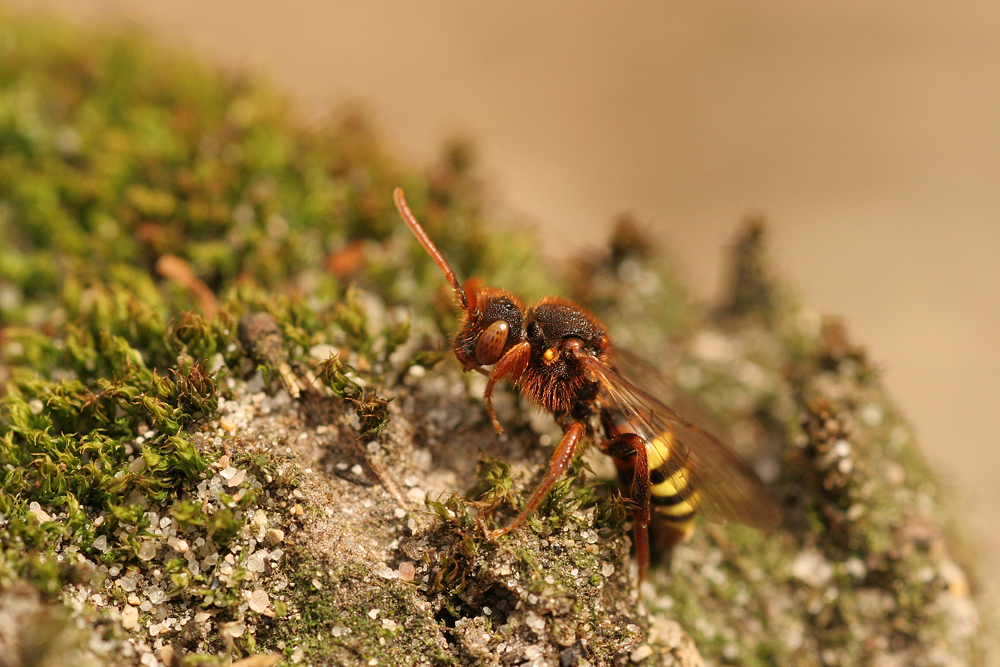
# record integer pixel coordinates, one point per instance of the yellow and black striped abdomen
(672, 496)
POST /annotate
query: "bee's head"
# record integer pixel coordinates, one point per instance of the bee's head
(491, 318)
(491, 325)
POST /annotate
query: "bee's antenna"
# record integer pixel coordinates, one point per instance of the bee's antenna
(425, 241)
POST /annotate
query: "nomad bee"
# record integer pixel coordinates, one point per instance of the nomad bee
(560, 357)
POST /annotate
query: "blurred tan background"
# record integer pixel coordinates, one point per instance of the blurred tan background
(867, 133)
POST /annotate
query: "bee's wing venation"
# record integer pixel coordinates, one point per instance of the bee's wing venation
(727, 488)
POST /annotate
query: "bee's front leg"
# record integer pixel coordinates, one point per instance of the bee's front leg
(512, 363)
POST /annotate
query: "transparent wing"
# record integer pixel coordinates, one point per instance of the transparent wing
(728, 489)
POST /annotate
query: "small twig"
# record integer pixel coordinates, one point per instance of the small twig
(382, 475)
(174, 268)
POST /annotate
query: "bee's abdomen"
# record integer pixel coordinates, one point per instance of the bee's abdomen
(672, 495)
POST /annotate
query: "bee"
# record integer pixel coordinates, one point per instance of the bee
(560, 357)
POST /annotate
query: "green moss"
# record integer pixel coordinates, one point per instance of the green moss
(115, 156)
(347, 614)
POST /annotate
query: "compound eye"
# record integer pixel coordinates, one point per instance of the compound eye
(489, 347)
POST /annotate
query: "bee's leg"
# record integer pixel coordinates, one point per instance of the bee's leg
(557, 468)
(512, 363)
(640, 496)
(631, 449)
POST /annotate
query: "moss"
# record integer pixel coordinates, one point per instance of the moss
(861, 567)
(347, 614)
(116, 157)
